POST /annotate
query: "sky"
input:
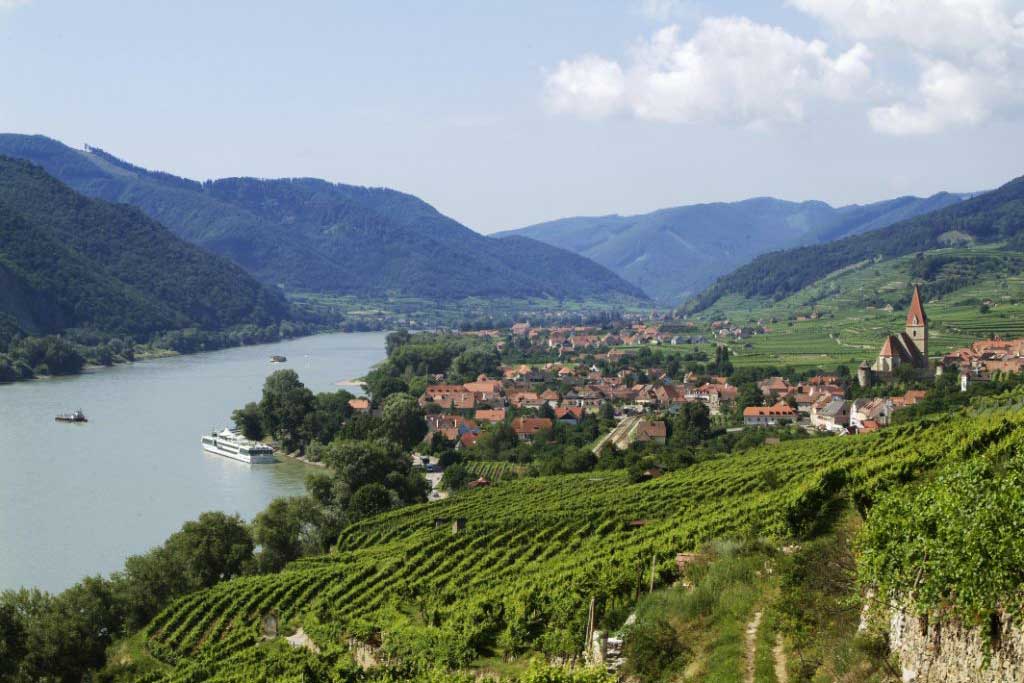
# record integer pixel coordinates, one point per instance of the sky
(504, 114)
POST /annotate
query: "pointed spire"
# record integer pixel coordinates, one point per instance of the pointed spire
(916, 316)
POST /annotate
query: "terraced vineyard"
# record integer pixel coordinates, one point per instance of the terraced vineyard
(852, 326)
(519, 577)
(495, 470)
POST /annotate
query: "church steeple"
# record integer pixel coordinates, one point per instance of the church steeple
(917, 323)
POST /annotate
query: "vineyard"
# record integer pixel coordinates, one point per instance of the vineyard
(518, 578)
(495, 470)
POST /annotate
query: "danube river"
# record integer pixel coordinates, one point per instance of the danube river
(76, 499)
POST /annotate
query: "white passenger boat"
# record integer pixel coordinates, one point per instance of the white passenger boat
(231, 444)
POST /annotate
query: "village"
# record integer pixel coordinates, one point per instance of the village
(631, 381)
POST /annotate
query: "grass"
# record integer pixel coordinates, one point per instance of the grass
(854, 310)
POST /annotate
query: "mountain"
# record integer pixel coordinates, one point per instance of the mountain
(674, 253)
(992, 217)
(309, 235)
(68, 261)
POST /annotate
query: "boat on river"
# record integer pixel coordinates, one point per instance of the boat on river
(77, 416)
(231, 444)
(278, 359)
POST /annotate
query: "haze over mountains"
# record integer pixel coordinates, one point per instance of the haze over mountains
(675, 253)
(309, 235)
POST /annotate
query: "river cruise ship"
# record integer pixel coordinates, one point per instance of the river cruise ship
(231, 444)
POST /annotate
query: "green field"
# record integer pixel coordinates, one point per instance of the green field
(854, 320)
(534, 552)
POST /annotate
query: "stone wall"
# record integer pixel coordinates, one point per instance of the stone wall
(948, 652)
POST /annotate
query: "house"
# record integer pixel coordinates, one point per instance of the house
(492, 416)
(715, 395)
(570, 415)
(774, 387)
(467, 440)
(832, 415)
(485, 390)
(526, 428)
(359, 405)
(651, 432)
(551, 397)
(865, 410)
(518, 399)
(451, 427)
(769, 416)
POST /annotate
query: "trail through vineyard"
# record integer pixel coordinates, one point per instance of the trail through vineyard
(752, 627)
(779, 654)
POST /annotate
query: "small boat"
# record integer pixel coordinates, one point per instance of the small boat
(77, 416)
(278, 359)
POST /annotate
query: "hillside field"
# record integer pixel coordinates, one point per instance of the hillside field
(517, 581)
(854, 319)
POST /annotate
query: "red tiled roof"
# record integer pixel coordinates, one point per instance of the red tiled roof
(778, 410)
(496, 415)
(530, 425)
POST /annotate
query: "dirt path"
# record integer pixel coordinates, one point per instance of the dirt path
(779, 653)
(752, 627)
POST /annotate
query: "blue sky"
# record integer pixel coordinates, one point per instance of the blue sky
(502, 114)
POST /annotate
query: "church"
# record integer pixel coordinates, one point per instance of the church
(908, 348)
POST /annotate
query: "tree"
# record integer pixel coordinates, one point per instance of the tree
(692, 424)
(396, 339)
(358, 463)
(455, 478)
(403, 420)
(282, 532)
(369, 500)
(325, 421)
(284, 406)
(216, 547)
(249, 419)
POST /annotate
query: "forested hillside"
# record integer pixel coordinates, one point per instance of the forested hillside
(675, 253)
(68, 261)
(993, 217)
(313, 236)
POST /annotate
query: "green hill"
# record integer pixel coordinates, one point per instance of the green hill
(990, 218)
(534, 553)
(844, 317)
(67, 261)
(313, 236)
(674, 253)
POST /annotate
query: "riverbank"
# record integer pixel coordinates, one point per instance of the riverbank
(14, 369)
(138, 466)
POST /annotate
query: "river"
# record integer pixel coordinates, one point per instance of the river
(77, 499)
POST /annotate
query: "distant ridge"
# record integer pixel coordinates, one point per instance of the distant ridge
(310, 235)
(674, 253)
(990, 217)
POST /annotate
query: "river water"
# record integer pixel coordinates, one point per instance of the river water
(77, 499)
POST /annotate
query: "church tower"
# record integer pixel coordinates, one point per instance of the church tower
(917, 323)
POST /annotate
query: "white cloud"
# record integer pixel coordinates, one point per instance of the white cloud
(590, 86)
(731, 70)
(971, 56)
(11, 4)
